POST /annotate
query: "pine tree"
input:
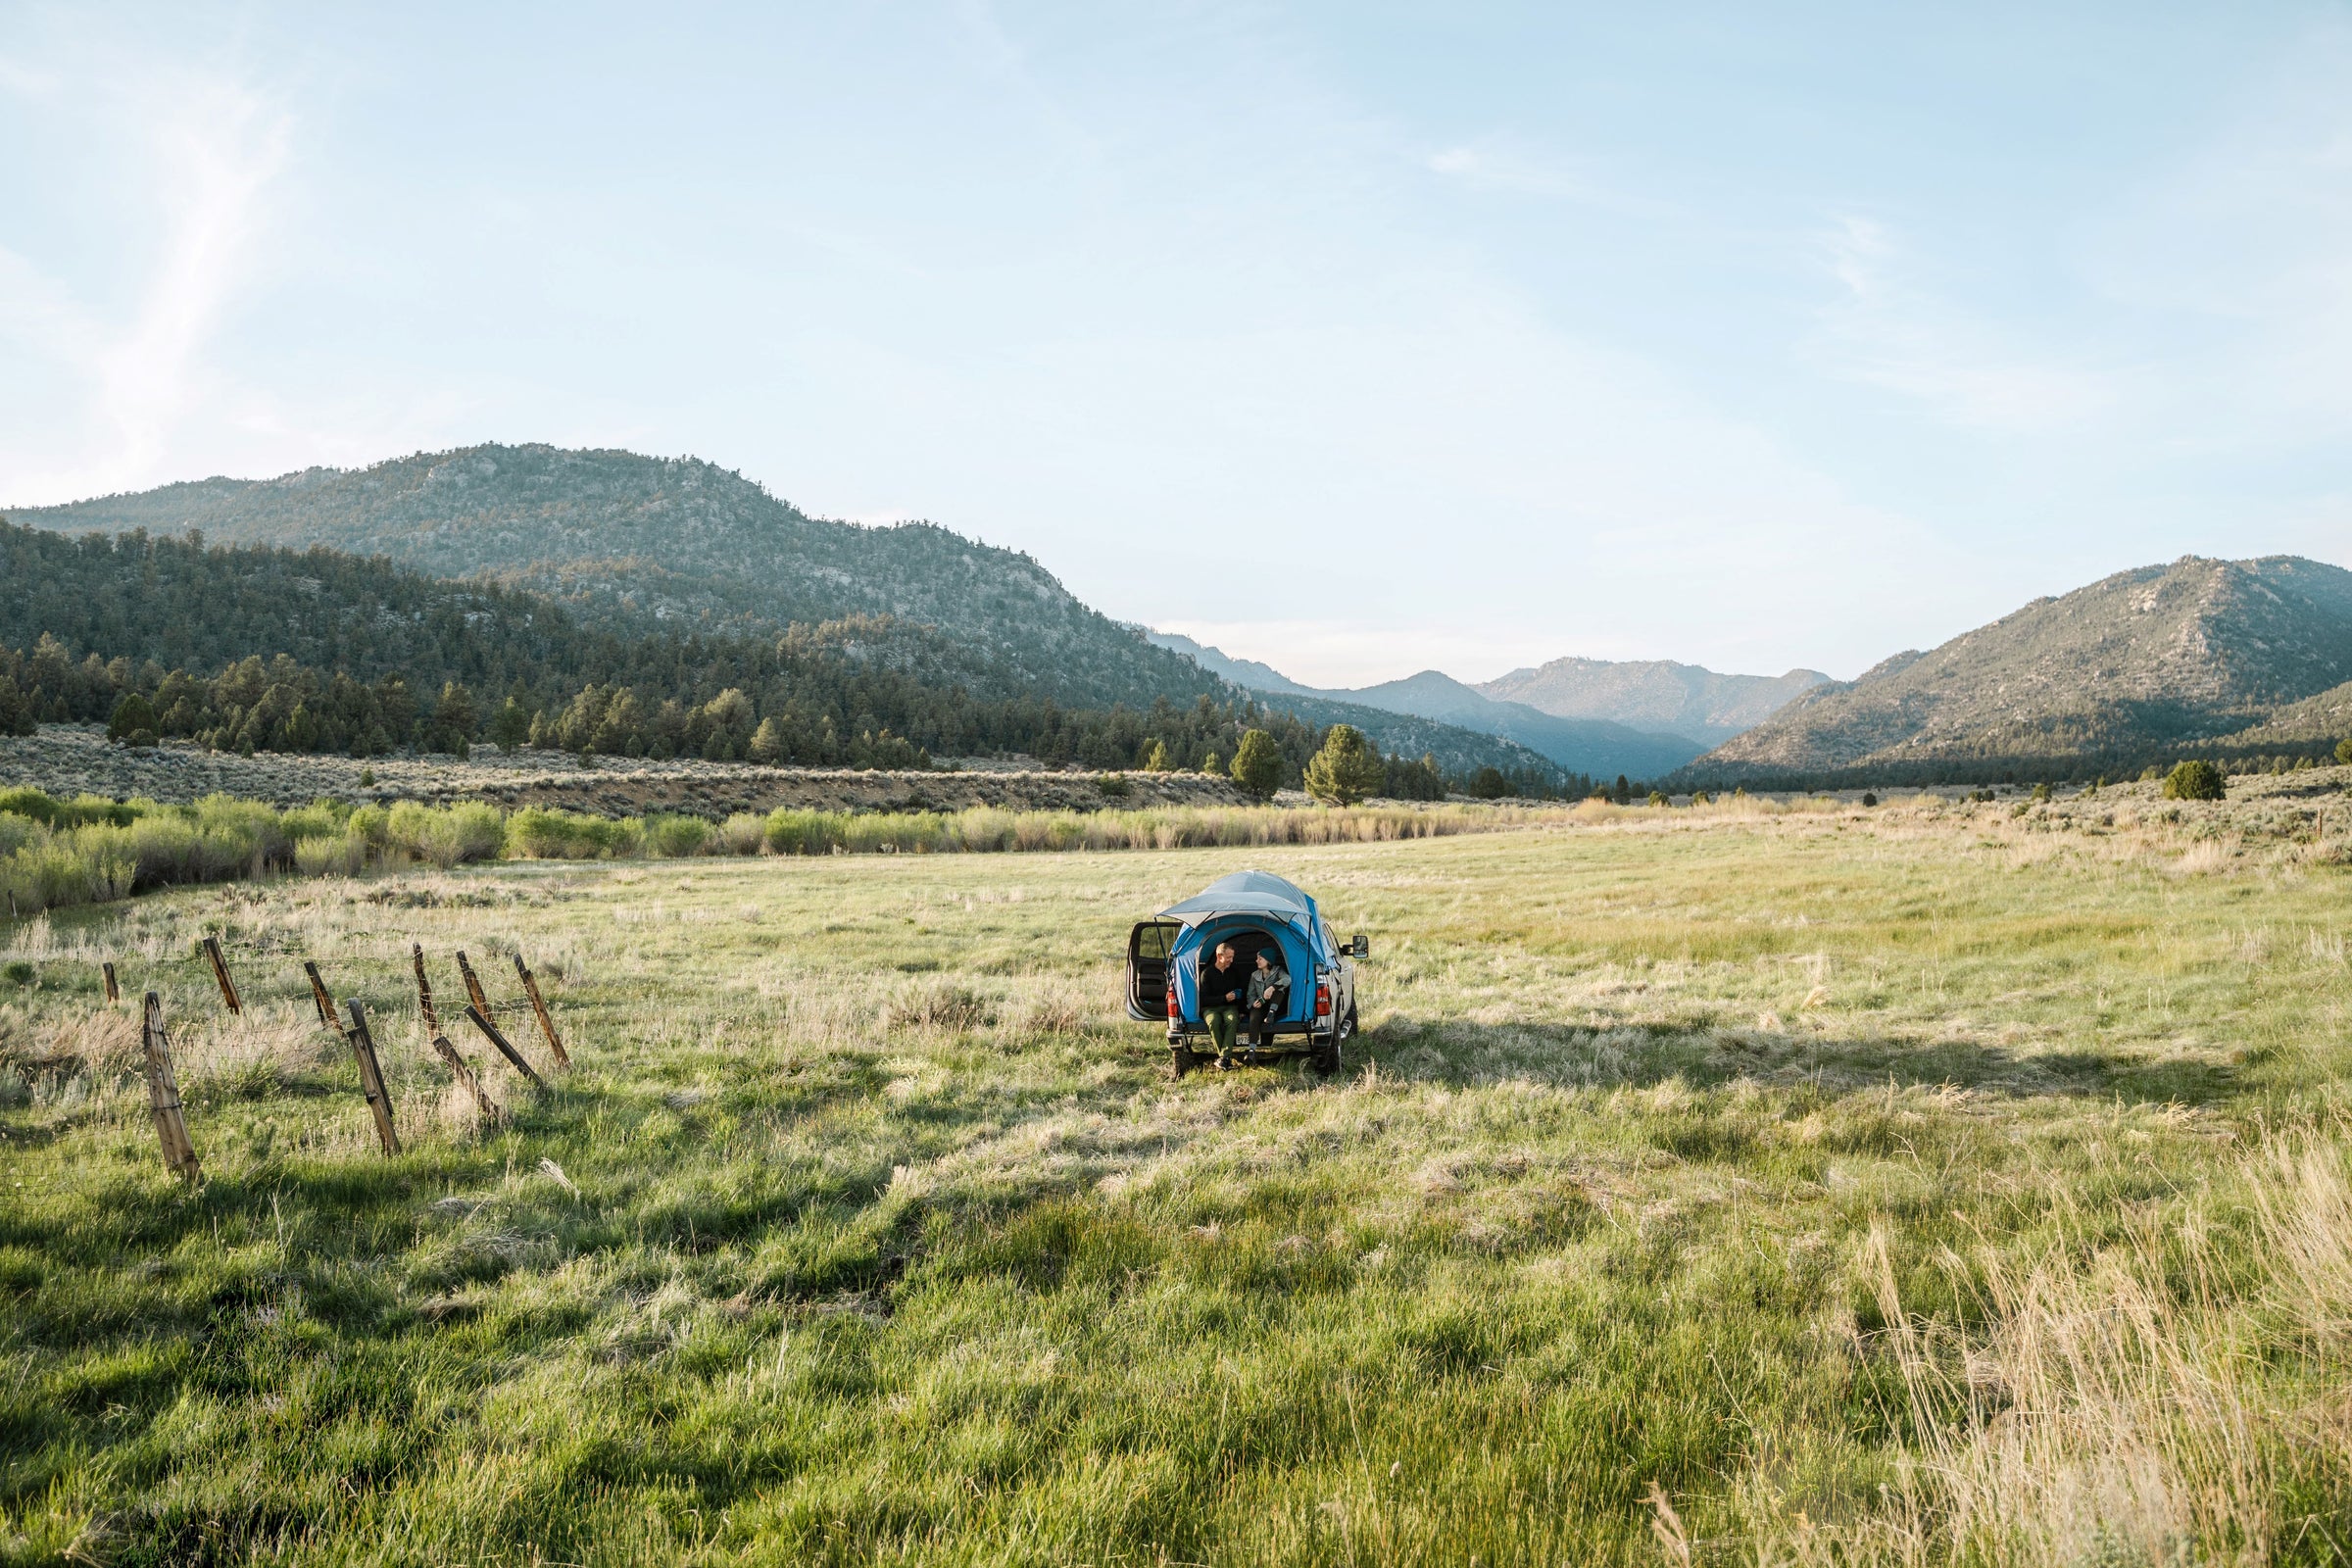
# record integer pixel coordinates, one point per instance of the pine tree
(16, 713)
(512, 728)
(1345, 769)
(133, 723)
(1257, 765)
(454, 722)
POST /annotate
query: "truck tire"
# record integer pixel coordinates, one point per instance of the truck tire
(1330, 1055)
(1183, 1059)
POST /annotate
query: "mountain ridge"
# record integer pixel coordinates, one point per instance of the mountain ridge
(1594, 748)
(2143, 665)
(1660, 695)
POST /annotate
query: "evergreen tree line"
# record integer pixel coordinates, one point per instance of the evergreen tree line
(806, 704)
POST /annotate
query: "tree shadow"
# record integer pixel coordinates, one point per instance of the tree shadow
(1461, 1053)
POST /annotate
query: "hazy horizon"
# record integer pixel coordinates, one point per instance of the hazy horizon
(1755, 343)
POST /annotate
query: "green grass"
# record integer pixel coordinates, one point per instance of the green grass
(1700, 1153)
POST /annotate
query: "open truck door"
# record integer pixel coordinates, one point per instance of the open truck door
(1148, 948)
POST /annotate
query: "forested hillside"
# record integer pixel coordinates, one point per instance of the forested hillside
(2134, 669)
(697, 545)
(280, 650)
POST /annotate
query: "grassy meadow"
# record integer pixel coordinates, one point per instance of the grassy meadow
(1937, 1184)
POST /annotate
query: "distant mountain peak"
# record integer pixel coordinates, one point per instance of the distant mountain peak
(1594, 748)
(1659, 695)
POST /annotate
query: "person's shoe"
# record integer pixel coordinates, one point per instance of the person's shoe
(1224, 1064)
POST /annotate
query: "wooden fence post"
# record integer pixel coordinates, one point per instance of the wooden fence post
(473, 987)
(113, 990)
(323, 1002)
(490, 1031)
(162, 1095)
(424, 992)
(483, 1105)
(547, 1020)
(372, 1076)
(228, 987)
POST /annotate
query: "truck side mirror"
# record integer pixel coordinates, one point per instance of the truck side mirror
(1360, 947)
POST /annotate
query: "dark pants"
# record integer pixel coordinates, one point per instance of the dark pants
(1263, 1019)
(1222, 1021)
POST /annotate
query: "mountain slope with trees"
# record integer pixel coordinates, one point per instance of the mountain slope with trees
(697, 545)
(315, 650)
(2138, 668)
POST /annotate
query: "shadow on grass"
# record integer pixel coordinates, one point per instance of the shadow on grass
(1464, 1055)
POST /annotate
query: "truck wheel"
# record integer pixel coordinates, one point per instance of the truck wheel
(1185, 1061)
(1329, 1055)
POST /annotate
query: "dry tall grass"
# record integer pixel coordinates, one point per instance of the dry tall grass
(2122, 1403)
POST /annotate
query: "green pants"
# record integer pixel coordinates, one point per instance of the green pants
(1222, 1021)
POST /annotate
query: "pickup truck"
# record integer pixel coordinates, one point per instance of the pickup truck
(1254, 910)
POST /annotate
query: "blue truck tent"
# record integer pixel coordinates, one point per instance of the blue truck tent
(1253, 910)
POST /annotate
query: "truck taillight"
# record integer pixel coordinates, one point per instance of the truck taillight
(1172, 1012)
(1322, 1001)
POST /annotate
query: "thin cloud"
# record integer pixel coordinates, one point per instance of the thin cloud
(216, 146)
(1504, 167)
(1887, 329)
(208, 148)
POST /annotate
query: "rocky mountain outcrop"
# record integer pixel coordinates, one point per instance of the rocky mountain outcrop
(2133, 668)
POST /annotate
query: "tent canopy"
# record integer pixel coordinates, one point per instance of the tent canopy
(1260, 893)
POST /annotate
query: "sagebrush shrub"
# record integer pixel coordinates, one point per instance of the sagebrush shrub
(2194, 780)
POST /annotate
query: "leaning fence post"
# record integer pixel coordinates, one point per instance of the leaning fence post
(490, 1031)
(228, 987)
(482, 1104)
(162, 1095)
(371, 1077)
(113, 990)
(547, 1020)
(321, 1001)
(473, 987)
(424, 990)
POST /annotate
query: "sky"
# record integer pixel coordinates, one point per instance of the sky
(1356, 338)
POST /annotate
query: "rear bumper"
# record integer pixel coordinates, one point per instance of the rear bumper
(1296, 1033)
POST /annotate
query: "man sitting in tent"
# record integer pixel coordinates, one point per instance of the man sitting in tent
(1224, 998)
